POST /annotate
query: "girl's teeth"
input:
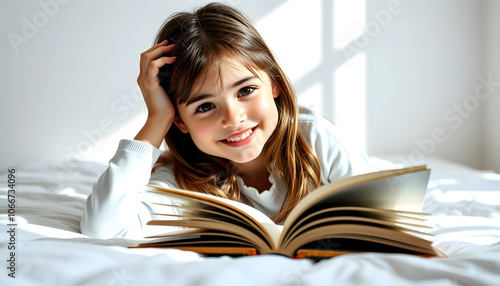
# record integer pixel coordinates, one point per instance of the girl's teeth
(243, 136)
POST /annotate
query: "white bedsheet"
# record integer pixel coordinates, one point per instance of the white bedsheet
(465, 215)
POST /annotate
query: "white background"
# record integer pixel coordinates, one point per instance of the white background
(391, 74)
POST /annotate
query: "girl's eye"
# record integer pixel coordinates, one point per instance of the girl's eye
(246, 91)
(204, 107)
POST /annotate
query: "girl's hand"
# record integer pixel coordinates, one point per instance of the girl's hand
(154, 95)
(161, 111)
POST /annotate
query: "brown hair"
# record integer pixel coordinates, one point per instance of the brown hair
(203, 39)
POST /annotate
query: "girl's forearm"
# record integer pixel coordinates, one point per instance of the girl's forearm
(154, 130)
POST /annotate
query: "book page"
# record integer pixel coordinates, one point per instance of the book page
(242, 232)
(202, 241)
(401, 189)
(332, 234)
(265, 225)
(192, 210)
(376, 216)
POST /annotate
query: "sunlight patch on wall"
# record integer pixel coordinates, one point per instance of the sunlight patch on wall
(312, 51)
(350, 100)
(294, 32)
(350, 76)
(349, 21)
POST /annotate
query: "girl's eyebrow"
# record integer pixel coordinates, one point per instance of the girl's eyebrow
(241, 81)
(196, 98)
(199, 97)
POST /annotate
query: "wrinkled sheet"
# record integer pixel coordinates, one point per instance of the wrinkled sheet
(465, 218)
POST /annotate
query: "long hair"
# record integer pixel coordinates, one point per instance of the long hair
(203, 40)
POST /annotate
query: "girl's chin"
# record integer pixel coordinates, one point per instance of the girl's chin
(245, 157)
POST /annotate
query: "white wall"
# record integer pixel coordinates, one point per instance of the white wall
(491, 152)
(420, 67)
(69, 90)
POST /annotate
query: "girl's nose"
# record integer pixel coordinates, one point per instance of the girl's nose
(234, 114)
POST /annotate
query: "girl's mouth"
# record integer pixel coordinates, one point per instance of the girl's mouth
(241, 139)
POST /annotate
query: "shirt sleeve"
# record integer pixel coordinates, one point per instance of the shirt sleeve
(118, 205)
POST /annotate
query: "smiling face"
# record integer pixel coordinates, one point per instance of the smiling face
(231, 113)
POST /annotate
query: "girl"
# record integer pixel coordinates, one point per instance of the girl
(229, 115)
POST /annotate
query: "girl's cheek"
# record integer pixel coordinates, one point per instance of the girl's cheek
(204, 128)
(264, 107)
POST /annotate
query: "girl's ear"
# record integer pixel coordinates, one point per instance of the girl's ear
(180, 124)
(276, 91)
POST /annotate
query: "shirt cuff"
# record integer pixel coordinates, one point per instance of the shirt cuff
(140, 148)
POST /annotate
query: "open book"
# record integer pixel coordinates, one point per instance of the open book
(377, 212)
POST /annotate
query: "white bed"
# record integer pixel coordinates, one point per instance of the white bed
(49, 250)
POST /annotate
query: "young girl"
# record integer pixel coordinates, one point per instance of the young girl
(229, 115)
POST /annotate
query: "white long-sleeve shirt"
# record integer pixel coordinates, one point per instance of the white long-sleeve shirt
(119, 206)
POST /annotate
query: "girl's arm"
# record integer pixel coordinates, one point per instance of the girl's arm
(115, 207)
(161, 111)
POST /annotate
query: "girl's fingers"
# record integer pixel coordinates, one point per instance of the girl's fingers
(153, 53)
(159, 51)
(164, 43)
(153, 59)
(155, 65)
(150, 55)
(154, 68)
(156, 52)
